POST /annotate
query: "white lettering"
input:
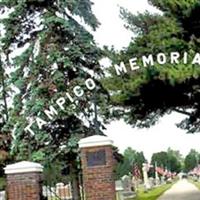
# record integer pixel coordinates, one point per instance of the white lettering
(147, 60)
(78, 91)
(121, 68)
(51, 112)
(185, 57)
(28, 128)
(69, 97)
(40, 122)
(133, 64)
(61, 102)
(90, 84)
(196, 59)
(161, 58)
(174, 57)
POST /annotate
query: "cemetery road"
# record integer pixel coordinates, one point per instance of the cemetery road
(182, 190)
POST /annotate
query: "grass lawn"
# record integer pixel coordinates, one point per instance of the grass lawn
(152, 194)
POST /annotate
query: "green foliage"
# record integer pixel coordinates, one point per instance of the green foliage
(58, 54)
(170, 160)
(174, 6)
(161, 158)
(38, 156)
(5, 136)
(131, 158)
(52, 173)
(141, 97)
(191, 160)
(175, 160)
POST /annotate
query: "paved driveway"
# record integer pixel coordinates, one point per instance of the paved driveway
(182, 190)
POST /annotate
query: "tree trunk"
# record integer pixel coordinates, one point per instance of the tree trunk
(4, 92)
(75, 182)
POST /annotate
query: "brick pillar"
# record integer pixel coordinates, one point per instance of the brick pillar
(24, 181)
(98, 168)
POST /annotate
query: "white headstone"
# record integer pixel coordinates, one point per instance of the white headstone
(127, 183)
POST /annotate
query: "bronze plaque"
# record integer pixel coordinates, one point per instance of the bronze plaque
(97, 158)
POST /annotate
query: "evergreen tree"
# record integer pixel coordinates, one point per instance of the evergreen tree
(5, 136)
(142, 96)
(131, 159)
(57, 56)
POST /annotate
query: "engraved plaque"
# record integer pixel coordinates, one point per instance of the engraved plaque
(97, 158)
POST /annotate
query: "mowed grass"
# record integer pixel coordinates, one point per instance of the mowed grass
(152, 194)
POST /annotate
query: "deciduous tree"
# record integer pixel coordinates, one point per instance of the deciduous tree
(191, 160)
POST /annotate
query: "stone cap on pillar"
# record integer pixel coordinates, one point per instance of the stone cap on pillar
(23, 167)
(95, 140)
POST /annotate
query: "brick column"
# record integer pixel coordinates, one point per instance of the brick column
(24, 181)
(98, 168)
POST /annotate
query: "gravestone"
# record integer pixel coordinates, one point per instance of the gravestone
(135, 183)
(127, 187)
(119, 189)
(127, 183)
(151, 182)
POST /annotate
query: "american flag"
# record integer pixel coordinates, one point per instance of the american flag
(160, 170)
(196, 170)
(136, 172)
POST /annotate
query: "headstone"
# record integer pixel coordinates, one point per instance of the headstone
(135, 183)
(162, 180)
(119, 190)
(128, 192)
(151, 182)
(127, 183)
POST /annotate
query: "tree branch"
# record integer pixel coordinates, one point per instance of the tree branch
(182, 111)
(4, 91)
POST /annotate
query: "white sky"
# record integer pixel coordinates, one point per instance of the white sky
(163, 135)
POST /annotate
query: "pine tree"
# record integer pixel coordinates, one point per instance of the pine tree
(5, 137)
(58, 62)
(148, 93)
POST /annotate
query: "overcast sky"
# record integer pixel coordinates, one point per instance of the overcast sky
(163, 135)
